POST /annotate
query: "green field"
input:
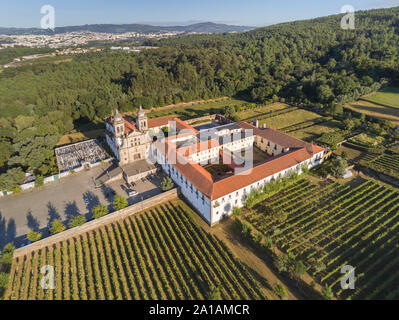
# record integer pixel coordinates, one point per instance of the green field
(334, 225)
(158, 254)
(383, 104)
(387, 97)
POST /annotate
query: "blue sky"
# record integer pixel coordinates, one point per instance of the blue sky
(26, 13)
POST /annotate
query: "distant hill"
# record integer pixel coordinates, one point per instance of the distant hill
(205, 27)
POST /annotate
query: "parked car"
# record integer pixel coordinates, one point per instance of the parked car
(131, 193)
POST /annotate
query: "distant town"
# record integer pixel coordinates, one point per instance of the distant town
(76, 38)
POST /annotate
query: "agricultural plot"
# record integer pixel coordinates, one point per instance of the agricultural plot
(385, 163)
(334, 225)
(158, 254)
(375, 110)
(265, 112)
(279, 116)
(196, 109)
(312, 132)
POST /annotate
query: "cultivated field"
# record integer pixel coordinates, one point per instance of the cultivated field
(384, 163)
(158, 254)
(195, 110)
(297, 122)
(332, 225)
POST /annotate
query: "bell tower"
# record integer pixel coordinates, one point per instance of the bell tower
(141, 120)
(119, 127)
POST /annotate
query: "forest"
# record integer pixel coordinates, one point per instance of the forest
(308, 63)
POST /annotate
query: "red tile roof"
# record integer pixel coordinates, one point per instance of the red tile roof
(129, 125)
(198, 147)
(203, 181)
(275, 136)
(262, 171)
(161, 122)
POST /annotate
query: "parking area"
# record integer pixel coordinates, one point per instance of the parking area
(76, 194)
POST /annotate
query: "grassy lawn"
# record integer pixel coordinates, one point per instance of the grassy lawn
(383, 104)
(388, 97)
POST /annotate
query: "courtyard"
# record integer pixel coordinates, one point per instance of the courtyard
(64, 199)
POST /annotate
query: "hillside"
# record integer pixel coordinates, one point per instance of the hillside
(204, 27)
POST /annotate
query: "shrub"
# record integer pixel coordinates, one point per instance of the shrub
(213, 294)
(268, 242)
(327, 292)
(280, 291)
(300, 268)
(77, 221)
(33, 236)
(7, 254)
(119, 202)
(319, 266)
(6, 258)
(281, 263)
(236, 212)
(57, 226)
(167, 184)
(39, 180)
(9, 248)
(4, 278)
(16, 189)
(100, 211)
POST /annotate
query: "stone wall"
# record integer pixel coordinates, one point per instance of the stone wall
(94, 224)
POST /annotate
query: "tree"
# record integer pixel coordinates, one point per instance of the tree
(213, 294)
(349, 124)
(7, 254)
(167, 184)
(77, 221)
(280, 291)
(33, 236)
(334, 146)
(319, 266)
(57, 227)
(4, 278)
(229, 111)
(300, 268)
(327, 292)
(236, 212)
(39, 180)
(338, 167)
(100, 211)
(281, 263)
(119, 202)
